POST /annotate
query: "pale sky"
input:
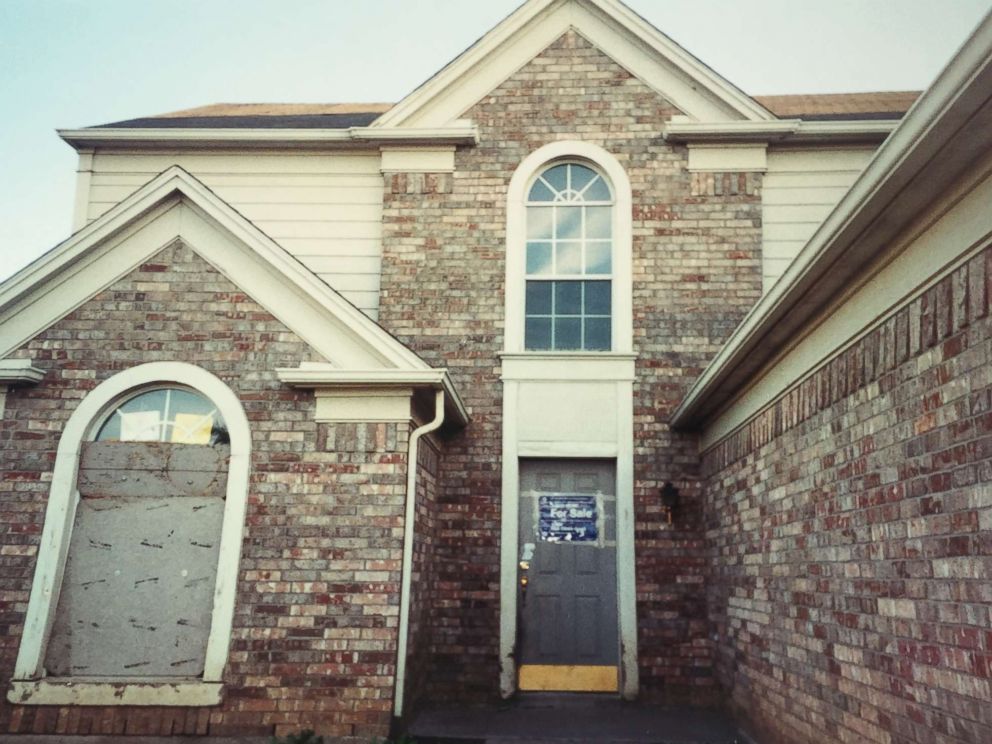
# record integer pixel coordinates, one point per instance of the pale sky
(75, 63)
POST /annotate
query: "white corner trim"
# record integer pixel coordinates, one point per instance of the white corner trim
(516, 232)
(84, 179)
(418, 159)
(63, 497)
(409, 535)
(23, 371)
(717, 158)
(152, 692)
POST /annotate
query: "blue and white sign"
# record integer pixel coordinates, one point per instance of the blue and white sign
(568, 518)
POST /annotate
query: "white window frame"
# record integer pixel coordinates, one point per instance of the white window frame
(607, 165)
(29, 685)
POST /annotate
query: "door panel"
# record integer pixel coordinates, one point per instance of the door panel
(567, 593)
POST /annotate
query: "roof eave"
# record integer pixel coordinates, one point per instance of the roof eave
(791, 131)
(462, 133)
(875, 209)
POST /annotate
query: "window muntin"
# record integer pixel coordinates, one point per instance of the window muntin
(167, 414)
(569, 261)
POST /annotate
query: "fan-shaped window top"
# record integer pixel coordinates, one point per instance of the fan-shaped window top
(165, 415)
(570, 182)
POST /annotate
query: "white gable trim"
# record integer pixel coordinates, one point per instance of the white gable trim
(619, 32)
(172, 206)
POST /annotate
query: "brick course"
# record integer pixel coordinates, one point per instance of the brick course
(314, 637)
(696, 270)
(850, 525)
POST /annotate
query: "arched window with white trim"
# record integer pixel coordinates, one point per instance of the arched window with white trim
(569, 252)
(569, 260)
(141, 545)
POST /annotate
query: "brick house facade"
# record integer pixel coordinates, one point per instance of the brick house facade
(361, 285)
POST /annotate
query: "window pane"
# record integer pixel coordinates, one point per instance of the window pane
(165, 415)
(539, 258)
(539, 220)
(568, 298)
(597, 300)
(581, 176)
(537, 334)
(599, 222)
(597, 334)
(598, 191)
(568, 258)
(568, 333)
(538, 298)
(599, 258)
(568, 223)
(540, 192)
(556, 177)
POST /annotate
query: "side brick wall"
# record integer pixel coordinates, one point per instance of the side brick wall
(697, 270)
(314, 639)
(851, 531)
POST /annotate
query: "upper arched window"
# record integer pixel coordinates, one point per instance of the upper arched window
(569, 260)
(165, 415)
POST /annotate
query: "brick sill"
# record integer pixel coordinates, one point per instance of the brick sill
(66, 691)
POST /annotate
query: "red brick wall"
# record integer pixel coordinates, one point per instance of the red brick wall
(851, 528)
(314, 638)
(696, 272)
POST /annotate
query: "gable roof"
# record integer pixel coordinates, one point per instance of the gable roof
(261, 116)
(613, 27)
(807, 106)
(840, 106)
(177, 206)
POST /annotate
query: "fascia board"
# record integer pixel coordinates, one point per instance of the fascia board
(85, 139)
(779, 132)
(958, 94)
(320, 376)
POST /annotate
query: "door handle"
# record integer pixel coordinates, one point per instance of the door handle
(524, 580)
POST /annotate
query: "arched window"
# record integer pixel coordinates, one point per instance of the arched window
(569, 260)
(141, 543)
(568, 267)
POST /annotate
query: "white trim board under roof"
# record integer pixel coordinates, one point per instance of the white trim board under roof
(610, 25)
(916, 168)
(175, 206)
(456, 133)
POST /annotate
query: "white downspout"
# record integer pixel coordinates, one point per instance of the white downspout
(408, 524)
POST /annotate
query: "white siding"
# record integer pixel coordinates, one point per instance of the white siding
(800, 189)
(324, 208)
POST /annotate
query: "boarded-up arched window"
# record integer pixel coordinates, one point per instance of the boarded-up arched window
(138, 586)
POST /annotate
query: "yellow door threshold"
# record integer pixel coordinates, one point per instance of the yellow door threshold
(567, 678)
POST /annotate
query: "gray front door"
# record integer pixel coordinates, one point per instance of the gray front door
(567, 587)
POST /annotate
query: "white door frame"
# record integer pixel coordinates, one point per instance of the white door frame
(622, 452)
